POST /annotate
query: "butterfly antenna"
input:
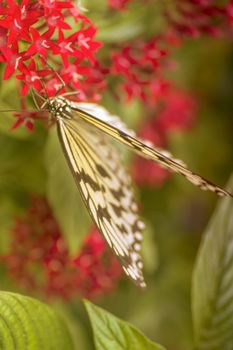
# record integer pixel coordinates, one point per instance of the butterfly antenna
(63, 85)
(34, 98)
(45, 90)
(21, 110)
(10, 110)
(43, 85)
(71, 93)
(34, 93)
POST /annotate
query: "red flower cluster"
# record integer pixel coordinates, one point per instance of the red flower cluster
(118, 4)
(27, 118)
(32, 31)
(177, 113)
(196, 17)
(39, 259)
(229, 10)
(137, 68)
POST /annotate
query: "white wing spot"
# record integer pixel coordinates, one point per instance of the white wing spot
(137, 246)
(141, 225)
(134, 206)
(138, 236)
(140, 264)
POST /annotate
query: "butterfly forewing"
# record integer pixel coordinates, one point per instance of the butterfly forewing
(105, 187)
(114, 127)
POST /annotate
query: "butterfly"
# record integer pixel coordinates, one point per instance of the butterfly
(105, 186)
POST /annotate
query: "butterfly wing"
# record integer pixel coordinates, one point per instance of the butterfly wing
(105, 188)
(113, 126)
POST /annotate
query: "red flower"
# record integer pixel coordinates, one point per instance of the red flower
(99, 269)
(55, 6)
(39, 259)
(65, 48)
(89, 81)
(118, 4)
(55, 21)
(53, 14)
(147, 173)
(3, 37)
(196, 17)
(18, 18)
(37, 25)
(31, 76)
(86, 44)
(41, 43)
(137, 67)
(179, 112)
(53, 85)
(123, 60)
(26, 118)
(13, 59)
(229, 12)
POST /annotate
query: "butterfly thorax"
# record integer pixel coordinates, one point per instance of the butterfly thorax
(59, 107)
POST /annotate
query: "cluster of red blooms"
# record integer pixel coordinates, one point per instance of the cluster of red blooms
(196, 17)
(177, 113)
(230, 12)
(39, 31)
(137, 68)
(39, 260)
(192, 17)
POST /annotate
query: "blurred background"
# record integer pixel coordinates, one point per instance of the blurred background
(167, 71)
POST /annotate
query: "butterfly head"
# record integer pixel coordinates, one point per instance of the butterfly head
(59, 107)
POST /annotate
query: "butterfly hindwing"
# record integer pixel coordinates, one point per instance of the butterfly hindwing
(105, 187)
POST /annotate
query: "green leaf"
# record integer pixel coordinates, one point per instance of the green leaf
(149, 249)
(6, 219)
(9, 99)
(76, 321)
(212, 298)
(63, 195)
(21, 162)
(115, 334)
(26, 323)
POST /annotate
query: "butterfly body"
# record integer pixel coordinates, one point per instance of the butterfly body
(59, 107)
(105, 186)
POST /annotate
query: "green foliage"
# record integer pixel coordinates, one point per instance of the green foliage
(26, 323)
(115, 334)
(63, 195)
(7, 102)
(21, 164)
(213, 282)
(21, 173)
(122, 26)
